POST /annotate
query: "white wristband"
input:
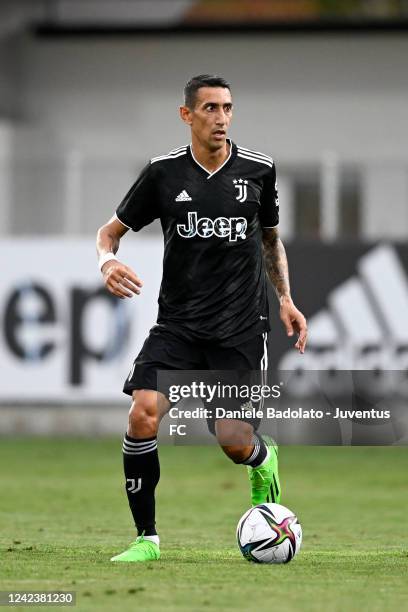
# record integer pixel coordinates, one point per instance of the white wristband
(104, 258)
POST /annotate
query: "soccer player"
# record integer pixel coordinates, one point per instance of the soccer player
(218, 207)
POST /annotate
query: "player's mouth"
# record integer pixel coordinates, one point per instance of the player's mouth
(219, 134)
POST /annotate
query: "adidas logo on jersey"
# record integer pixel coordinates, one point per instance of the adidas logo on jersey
(183, 197)
(361, 327)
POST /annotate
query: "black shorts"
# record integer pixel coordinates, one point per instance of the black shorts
(164, 350)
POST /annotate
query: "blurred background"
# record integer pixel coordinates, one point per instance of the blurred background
(89, 91)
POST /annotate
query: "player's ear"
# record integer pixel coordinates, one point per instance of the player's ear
(185, 114)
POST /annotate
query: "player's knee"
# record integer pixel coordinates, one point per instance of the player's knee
(232, 433)
(143, 416)
(237, 454)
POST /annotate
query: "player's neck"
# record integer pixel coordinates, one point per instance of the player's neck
(210, 160)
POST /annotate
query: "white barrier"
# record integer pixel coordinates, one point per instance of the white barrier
(63, 337)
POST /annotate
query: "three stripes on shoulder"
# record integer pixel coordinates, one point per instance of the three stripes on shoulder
(171, 155)
(256, 156)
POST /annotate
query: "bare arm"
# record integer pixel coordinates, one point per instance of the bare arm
(119, 279)
(276, 264)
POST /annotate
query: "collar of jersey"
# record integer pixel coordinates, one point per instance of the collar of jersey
(208, 174)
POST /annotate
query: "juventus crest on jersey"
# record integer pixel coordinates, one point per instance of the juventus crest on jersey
(214, 282)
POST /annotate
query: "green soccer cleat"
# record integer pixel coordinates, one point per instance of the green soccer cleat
(139, 551)
(265, 485)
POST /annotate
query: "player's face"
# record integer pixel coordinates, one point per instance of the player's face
(211, 116)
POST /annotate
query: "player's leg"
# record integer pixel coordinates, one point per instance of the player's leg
(162, 350)
(239, 439)
(142, 471)
(264, 476)
(259, 453)
(140, 457)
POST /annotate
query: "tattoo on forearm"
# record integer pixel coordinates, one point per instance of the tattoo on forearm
(276, 264)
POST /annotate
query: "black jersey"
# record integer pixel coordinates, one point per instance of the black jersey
(214, 282)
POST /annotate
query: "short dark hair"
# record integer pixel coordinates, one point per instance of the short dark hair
(202, 80)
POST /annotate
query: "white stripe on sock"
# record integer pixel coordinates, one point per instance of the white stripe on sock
(141, 452)
(141, 443)
(255, 452)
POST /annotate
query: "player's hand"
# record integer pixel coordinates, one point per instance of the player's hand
(294, 322)
(120, 280)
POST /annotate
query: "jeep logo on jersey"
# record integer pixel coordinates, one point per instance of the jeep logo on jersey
(241, 185)
(223, 227)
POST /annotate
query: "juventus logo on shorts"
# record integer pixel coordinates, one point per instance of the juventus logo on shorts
(241, 185)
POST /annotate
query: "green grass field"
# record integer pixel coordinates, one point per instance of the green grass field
(63, 514)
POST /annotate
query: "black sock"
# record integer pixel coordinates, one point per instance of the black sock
(259, 453)
(142, 473)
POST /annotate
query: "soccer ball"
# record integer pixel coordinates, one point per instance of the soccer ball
(269, 533)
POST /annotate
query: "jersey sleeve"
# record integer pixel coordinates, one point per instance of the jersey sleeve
(269, 209)
(139, 206)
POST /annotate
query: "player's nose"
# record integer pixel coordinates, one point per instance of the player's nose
(221, 119)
